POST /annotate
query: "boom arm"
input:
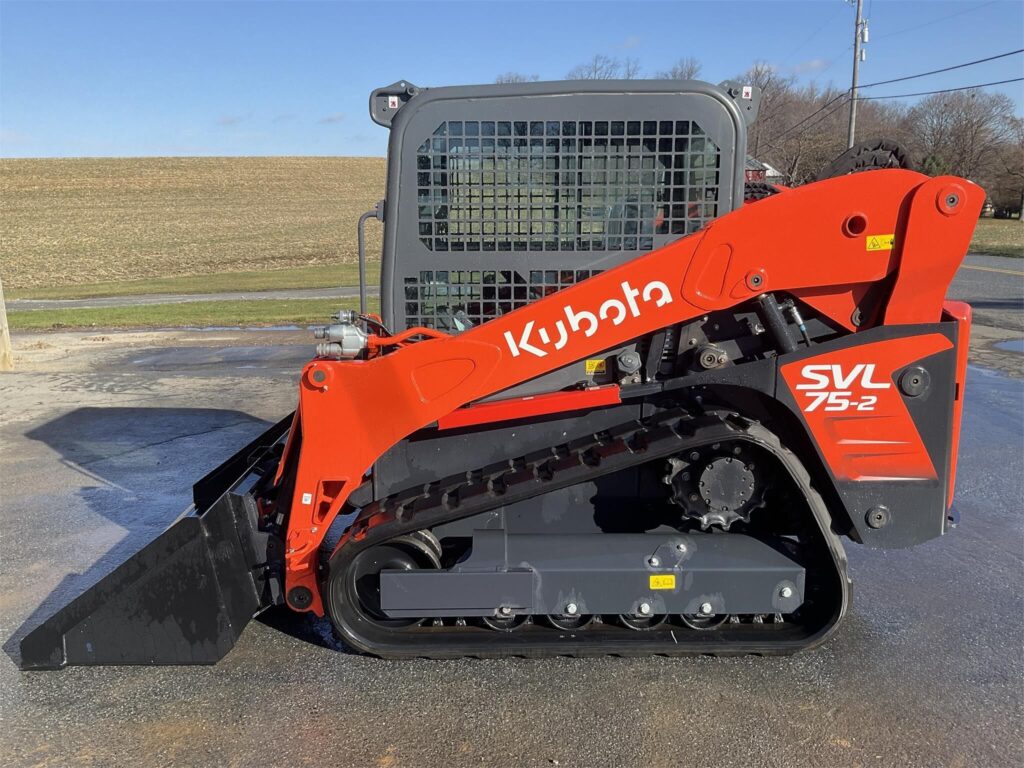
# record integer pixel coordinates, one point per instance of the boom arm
(826, 243)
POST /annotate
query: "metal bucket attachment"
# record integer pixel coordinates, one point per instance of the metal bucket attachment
(185, 597)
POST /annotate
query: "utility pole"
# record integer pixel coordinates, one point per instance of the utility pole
(6, 356)
(860, 34)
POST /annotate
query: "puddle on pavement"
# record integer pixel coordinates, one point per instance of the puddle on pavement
(198, 359)
(1011, 345)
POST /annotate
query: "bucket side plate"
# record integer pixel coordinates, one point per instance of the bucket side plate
(184, 598)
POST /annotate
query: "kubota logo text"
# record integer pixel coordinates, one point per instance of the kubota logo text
(616, 310)
(840, 390)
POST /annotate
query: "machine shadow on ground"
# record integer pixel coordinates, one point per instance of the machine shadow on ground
(137, 467)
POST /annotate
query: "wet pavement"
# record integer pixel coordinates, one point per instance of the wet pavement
(102, 435)
(994, 287)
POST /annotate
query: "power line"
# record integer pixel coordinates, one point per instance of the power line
(943, 90)
(847, 92)
(773, 145)
(944, 69)
(834, 59)
(810, 37)
(820, 109)
(936, 21)
(832, 101)
(822, 118)
(872, 98)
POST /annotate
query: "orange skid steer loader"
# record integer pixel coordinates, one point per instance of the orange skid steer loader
(605, 408)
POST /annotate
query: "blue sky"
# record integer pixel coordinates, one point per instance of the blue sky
(276, 78)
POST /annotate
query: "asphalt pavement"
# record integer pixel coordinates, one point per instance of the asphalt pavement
(101, 436)
(994, 287)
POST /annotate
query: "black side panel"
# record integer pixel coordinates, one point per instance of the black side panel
(606, 574)
(914, 510)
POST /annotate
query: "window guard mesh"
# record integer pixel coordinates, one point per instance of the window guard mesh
(591, 185)
(446, 299)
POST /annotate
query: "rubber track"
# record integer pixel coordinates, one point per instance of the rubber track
(491, 487)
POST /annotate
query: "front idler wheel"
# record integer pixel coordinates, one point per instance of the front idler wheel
(359, 586)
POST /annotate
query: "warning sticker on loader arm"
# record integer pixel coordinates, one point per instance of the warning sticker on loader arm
(880, 242)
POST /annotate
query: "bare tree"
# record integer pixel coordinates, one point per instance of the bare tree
(516, 77)
(777, 105)
(1008, 189)
(630, 69)
(687, 68)
(974, 134)
(603, 67)
(800, 130)
(966, 133)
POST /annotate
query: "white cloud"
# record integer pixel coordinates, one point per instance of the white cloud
(811, 65)
(808, 67)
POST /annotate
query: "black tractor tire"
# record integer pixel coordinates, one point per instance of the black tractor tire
(868, 156)
(758, 190)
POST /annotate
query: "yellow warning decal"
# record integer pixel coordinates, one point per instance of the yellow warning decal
(663, 581)
(880, 242)
(596, 366)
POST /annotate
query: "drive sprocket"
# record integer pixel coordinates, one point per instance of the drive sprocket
(716, 486)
